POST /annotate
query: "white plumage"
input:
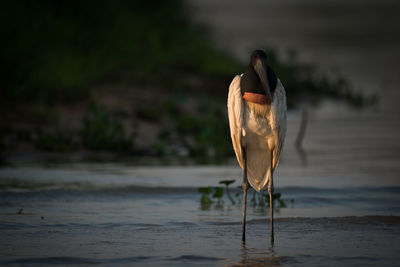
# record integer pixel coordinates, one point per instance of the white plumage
(257, 120)
(258, 128)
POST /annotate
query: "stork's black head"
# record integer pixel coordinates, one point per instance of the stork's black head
(256, 55)
(259, 77)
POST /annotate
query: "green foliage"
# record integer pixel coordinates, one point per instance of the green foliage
(218, 192)
(276, 197)
(160, 145)
(227, 183)
(100, 131)
(201, 132)
(211, 61)
(57, 141)
(148, 113)
(208, 131)
(206, 201)
(205, 190)
(55, 49)
(259, 199)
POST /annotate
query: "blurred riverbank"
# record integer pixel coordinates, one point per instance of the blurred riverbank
(109, 96)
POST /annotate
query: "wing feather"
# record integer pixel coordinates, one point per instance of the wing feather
(278, 122)
(235, 114)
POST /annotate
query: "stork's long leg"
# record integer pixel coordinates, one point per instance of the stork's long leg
(245, 187)
(271, 191)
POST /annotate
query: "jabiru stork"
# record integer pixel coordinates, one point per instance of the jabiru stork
(257, 120)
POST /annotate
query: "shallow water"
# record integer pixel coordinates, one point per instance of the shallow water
(122, 215)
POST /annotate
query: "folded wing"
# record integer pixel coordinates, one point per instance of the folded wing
(235, 114)
(278, 120)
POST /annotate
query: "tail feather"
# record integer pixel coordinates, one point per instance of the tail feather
(259, 168)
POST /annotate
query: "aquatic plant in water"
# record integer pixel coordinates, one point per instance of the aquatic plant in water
(211, 195)
(227, 183)
(206, 199)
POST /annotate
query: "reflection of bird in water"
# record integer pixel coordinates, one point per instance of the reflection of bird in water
(251, 257)
(257, 120)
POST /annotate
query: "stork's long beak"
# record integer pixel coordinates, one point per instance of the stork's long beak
(261, 69)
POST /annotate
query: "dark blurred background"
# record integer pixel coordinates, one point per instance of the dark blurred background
(138, 79)
(94, 94)
(124, 77)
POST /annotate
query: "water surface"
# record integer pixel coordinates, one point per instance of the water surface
(123, 215)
